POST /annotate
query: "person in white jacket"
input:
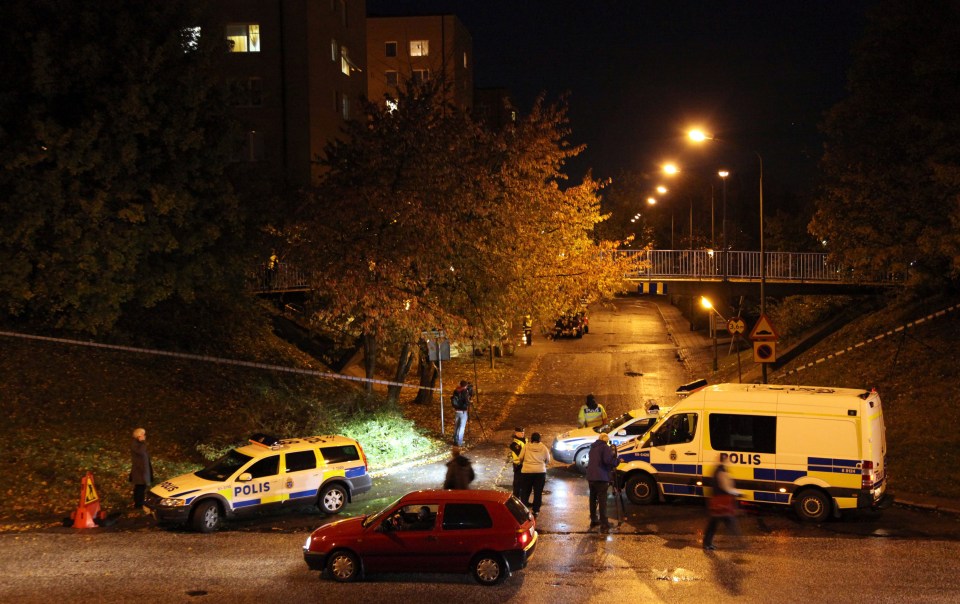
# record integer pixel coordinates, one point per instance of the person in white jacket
(533, 468)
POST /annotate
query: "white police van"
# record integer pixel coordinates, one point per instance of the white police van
(821, 450)
(326, 470)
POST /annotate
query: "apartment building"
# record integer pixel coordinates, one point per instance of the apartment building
(297, 67)
(402, 49)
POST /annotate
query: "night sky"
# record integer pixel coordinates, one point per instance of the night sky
(760, 74)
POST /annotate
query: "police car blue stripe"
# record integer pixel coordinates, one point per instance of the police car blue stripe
(771, 497)
(300, 494)
(679, 489)
(354, 472)
(789, 475)
(245, 504)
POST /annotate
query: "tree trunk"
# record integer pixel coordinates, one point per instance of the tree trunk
(428, 374)
(404, 361)
(369, 359)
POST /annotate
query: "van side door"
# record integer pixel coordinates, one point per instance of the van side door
(675, 453)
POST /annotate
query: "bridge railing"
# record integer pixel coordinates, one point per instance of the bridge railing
(715, 265)
(283, 277)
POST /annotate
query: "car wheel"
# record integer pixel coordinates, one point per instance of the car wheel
(581, 458)
(488, 569)
(812, 505)
(207, 516)
(344, 566)
(641, 489)
(332, 498)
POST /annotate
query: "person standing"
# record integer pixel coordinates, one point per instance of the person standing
(459, 471)
(592, 414)
(141, 470)
(534, 460)
(516, 446)
(722, 505)
(460, 399)
(603, 460)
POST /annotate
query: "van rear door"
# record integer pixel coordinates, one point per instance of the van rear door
(874, 447)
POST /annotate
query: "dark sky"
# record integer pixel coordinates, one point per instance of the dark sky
(760, 74)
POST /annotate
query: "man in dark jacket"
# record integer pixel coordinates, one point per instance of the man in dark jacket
(141, 470)
(459, 471)
(602, 461)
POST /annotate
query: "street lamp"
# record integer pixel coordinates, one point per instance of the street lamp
(698, 136)
(671, 169)
(723, 174)
(706, 303)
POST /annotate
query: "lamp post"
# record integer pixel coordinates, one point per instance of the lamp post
(723, 174)
(706, 303)
(671, 169)
(699, 136)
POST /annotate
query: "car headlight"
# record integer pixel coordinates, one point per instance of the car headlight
(170, 502)
(564, 445)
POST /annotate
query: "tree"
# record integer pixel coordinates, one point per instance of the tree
(116, 138)
(892, 157)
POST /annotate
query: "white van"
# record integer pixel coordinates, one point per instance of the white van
(821, 450)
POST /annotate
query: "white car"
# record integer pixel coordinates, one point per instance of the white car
(574, 446)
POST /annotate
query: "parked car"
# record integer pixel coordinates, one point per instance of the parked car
(574, 446)
(489, 534)
(571, 325)
(267, 473)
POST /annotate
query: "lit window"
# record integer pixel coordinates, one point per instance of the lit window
(419, 48)
(344, 61)
(465, 61)
(345, 108)
(334, 49)
(392, 78)
(420, 75)
(244, 37)
(390, 49)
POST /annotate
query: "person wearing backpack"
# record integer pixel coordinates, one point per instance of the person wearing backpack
(461, 404)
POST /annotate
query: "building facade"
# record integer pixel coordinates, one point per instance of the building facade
(404, 49)
(296, 67)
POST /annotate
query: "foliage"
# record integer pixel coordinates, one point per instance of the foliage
(892, 160)
(426, 220)
(115, 142)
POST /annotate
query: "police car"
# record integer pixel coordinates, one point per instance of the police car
(267, 473)
(574, 446)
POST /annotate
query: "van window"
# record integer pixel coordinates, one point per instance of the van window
(747, 433)
(676, 430)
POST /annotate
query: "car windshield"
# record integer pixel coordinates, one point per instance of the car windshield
(224, 467)
(614, 423)
(373, 518)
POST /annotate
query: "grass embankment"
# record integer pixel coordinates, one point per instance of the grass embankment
(70, 409)
(915, 370)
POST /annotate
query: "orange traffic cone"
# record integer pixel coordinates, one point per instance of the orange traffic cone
(88, 510)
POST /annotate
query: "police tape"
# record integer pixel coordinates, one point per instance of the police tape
(872, 340)
(212, 359)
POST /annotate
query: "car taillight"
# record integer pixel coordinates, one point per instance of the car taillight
(868, 475)
(523, 537)
(363, 455)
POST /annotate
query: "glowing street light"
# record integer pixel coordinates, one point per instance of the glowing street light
(698, 136)
(651, 201)
(661, 189)
(706, 303)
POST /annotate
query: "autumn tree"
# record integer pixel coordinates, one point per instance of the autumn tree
(892, 155)
(115, 141)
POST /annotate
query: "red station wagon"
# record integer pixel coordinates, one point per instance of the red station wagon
(487, 533)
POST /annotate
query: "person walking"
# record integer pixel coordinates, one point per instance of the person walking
(517, 443)
(534, 460)
(603, 460)
(459, 471)
(141, 470)
(722, 505)
(592, 414)
(460, 399)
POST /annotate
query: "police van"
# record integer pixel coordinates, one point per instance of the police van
(327, 471)
(820, 450)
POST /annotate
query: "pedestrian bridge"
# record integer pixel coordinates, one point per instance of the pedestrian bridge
(785, 273)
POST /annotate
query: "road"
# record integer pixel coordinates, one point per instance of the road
(653, 555)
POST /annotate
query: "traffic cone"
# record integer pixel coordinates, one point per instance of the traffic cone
(88, 510)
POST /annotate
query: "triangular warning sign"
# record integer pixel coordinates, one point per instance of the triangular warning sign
(764, 330)
(91, 492)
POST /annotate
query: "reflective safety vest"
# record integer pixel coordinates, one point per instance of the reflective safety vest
(590, 418)
(516, 450)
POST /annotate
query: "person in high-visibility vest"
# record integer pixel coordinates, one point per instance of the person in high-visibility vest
(592, 414)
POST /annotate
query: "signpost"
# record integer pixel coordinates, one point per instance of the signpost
(764, 337)
(438, 349)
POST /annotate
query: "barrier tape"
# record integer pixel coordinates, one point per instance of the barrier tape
(211, 359)
(872, 340)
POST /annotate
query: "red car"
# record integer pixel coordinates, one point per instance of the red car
(487, 533)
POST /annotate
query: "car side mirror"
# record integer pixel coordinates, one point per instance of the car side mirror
(245, 477)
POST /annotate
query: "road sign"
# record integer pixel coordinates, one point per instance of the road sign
(438, 346)
(736, 326)
(763, 330)
(764, 351)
